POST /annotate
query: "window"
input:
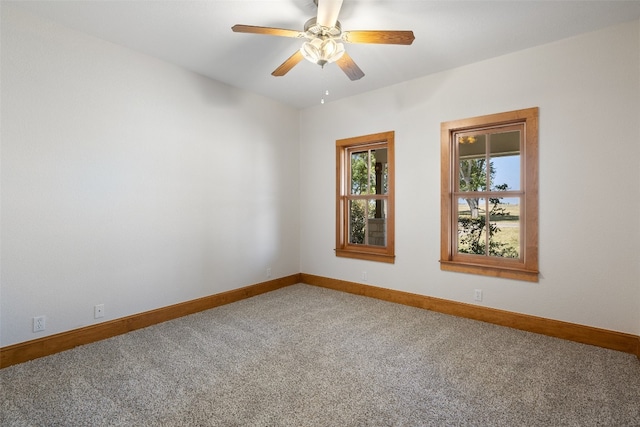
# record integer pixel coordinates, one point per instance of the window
(364, 197)
(489, 222)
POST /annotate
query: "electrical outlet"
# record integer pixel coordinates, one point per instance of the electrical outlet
(477, 295)
(268, 272)
(364, 276)
(98, 311)
(38, 323)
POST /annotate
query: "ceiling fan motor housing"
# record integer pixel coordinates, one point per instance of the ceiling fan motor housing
(312, 29)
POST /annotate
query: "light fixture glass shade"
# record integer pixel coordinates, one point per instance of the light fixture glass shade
(321, 51)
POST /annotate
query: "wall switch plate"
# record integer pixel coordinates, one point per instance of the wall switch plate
(98, 311)
(38, 323)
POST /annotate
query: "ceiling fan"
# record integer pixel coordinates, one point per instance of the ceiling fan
(323, 40)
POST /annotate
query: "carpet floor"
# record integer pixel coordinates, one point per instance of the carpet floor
(308, 356)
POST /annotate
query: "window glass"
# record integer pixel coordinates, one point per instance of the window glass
(505, 160)
(504, 223)
(472, 154)
(359, 172)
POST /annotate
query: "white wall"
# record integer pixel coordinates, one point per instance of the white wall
(130, 182)
(588, 91)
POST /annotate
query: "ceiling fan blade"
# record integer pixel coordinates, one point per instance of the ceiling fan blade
(328, 11)
(270, 31)
(349, 67)
(287, 65)
(379, 37)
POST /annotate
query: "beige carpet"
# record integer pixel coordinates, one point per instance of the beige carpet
(307, 356)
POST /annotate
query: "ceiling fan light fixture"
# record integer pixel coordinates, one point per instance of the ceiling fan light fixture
(322, 51)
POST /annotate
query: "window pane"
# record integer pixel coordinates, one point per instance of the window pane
(472, 162)
(504, 227)
(379, 172)
(377, 223)
(359, 172)
(357, 215)
(472, 233)
(505, 161)
(368, 222)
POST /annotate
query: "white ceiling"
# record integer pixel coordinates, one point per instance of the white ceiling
(197, 35)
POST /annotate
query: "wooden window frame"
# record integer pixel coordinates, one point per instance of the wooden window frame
(525, 268)
(343, 247)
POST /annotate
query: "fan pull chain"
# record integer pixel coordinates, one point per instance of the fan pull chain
(325, 91)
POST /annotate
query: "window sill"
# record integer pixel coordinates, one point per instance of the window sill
(368, 256)
(490, 270)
